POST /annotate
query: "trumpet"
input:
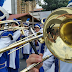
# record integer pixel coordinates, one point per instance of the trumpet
(57, 34)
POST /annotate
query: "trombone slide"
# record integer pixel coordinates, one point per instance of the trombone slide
(19, 43)
(18, 48)
(35, 65)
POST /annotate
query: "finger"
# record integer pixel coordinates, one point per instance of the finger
(36, 70)
(41, 54)
(33, 60)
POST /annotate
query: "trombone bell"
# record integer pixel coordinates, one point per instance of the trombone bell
(66, 31)
(58, 33)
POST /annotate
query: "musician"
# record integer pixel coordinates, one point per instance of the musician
(38, 45)
(13, 58)
(5, 40)
(26, 49)
(64, 67)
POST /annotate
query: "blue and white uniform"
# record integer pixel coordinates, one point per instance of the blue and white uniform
(26, 49)
(5, 39)
(49, 64)
(13, 58)
(39, 47)
(43, 44)
(4, 42)
(1, 32)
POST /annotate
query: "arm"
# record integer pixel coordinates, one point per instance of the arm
(48, 63)
(16, 35)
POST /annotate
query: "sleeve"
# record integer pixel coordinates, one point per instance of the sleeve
(16, 35)
(48, 63)
(27, 33)
(5, 55)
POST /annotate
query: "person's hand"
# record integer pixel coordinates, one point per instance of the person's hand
(34, 58)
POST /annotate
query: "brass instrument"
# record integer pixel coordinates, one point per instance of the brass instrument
(10, 27)
(19, 43)
(18, 48)
(41, 40)
(62, 18)
(57, 34)
(35, 65)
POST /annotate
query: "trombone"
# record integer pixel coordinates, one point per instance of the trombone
(22, 40)
(57, 34)
(19, 43)
(10, 27)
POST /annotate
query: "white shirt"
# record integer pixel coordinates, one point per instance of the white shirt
(16, 35)
(64, 67)
(26, 49)
(47, 64)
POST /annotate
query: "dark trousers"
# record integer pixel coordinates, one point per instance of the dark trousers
(12, 70)
(25, 56)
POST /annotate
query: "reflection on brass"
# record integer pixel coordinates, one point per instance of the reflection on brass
(66, 31)
(59, 39)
